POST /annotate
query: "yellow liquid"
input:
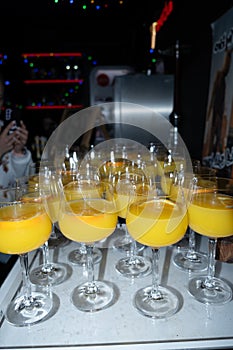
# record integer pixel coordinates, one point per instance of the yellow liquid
(186, 191)
(211, 215)
(127, 192)
(68, 176)
(23, 228)
(112, 170)
(81, 222)
(166, 167)
(33, 182)
(74, 191)
(156, 223)
(122, 198)
(52, 204)
(53, 207)
(31, 197)
(122, 204)
(166, 183)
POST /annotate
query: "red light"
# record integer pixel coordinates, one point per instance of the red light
(53, 81)
(62, 54)
(55, 107)
(168, 8)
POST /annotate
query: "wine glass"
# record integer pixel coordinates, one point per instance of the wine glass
(113, 165)
(78, 256)
(89, 218)
(70, 171)
(47, 273)
(120, 154)
(24, 227)
(56, 239)
(157, 219)
(211, 215)
(128, 184)
(192, 259)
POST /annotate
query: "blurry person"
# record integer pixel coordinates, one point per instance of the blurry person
(216, 109)
(15, 158)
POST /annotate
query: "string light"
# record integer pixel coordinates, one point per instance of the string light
(3, 59)
(97, 5)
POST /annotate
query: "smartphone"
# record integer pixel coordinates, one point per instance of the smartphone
(11, 114)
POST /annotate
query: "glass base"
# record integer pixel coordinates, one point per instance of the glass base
(195, 261)
(134, 267)
(79, 257)
(162, 304)
(53, 275)
(23, 312)
(216, 292)
(90, 298)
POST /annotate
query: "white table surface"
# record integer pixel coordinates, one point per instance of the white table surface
(121, 326)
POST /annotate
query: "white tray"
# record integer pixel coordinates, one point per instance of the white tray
(121, 326)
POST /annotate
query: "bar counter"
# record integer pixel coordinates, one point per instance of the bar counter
(121, 326)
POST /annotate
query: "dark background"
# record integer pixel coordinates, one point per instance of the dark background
(117, 35)
(121, 36)
(36, 24)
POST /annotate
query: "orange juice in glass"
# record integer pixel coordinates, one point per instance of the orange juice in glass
(24, 227)
(211, 215)
(47, 192)
(16, 225)
(68, 176)
(88, 215)
(119, 162)
(81, 189)
(114, 168)
(53, 207)
(72, 192)
(156, 223)
(87, 220)
(131, 183)
(123, 190)
(155, 220)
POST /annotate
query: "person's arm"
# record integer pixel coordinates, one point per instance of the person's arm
(21, 137)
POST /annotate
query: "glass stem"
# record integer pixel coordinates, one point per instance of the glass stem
(83, 248)
(53, 234)
(155, 293)
(128, 238)
(92, 288)
(27, 290)
(132, 251)
(192, 241)
(46, 265)
(211, 261)
(191, 253)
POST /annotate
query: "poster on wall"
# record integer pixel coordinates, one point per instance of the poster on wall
(218, 136)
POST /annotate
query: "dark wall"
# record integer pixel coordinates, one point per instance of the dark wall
(194, 88)
(124, 39)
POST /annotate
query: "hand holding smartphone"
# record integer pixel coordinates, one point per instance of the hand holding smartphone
(12, 115)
